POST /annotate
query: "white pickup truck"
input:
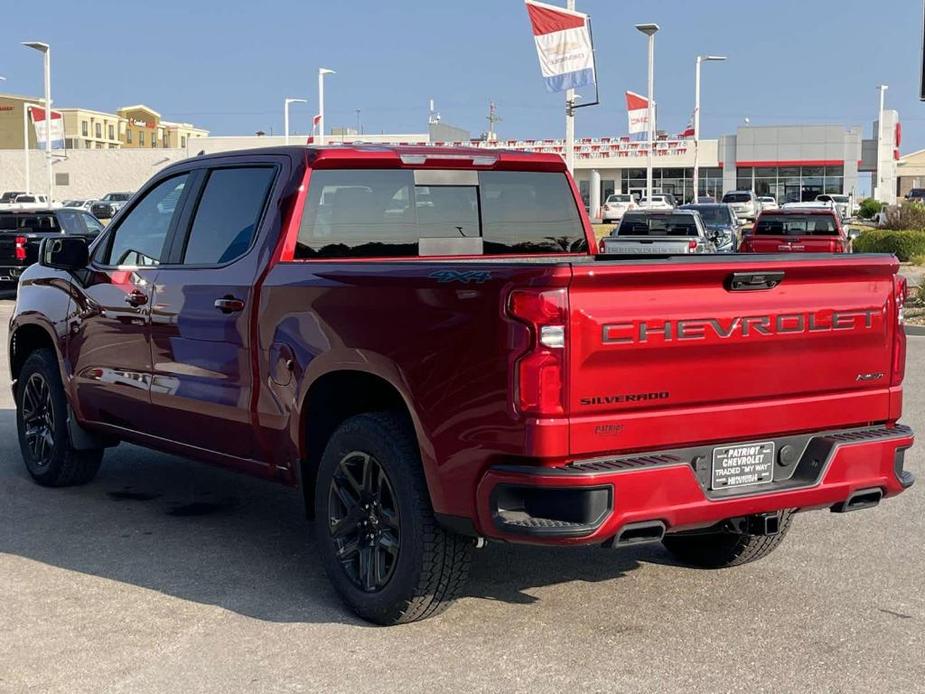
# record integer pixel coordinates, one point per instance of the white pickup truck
(26, 201)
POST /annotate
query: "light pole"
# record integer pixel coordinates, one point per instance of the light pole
(286, 103)
(322, 71)
(45, 50)
(879, 193)
(570, 117)
(700, 59)
(650, 30)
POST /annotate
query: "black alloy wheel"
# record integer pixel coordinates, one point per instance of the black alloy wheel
(38, 417)
(363, 521)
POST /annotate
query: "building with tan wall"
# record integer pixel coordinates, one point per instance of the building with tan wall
(130, 127)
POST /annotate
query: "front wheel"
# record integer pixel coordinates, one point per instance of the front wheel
(717, 550)
(381, 546)
(41, 420)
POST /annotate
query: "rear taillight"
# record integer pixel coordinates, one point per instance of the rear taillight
(900, 291)
(539, 373)
(692, 245)
(21, 247)
(600, 245)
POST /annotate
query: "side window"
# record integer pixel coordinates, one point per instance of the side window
(70, 222)
(140, 238)
(227, 215)
(92, 223)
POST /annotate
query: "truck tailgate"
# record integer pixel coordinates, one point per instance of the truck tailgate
(667, 353)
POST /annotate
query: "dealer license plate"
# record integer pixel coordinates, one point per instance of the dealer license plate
(743, 465)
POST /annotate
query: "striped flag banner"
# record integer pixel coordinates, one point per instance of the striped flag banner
(563, 46)
(637, 110)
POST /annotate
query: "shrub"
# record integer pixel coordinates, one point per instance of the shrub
(905, 217)
(903, 244)
(869, 208)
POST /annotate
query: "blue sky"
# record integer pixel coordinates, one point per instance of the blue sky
(228, 65)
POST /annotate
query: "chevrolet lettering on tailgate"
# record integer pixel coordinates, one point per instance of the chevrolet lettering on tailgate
(739, 327)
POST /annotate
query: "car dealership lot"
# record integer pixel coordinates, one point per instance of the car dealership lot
(166, 575)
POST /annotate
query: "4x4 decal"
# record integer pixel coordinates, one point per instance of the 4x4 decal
(463, 277)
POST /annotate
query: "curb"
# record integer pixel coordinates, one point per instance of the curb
(915, 330)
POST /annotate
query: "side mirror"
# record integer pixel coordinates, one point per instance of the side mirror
(66, 253)
(853, 234)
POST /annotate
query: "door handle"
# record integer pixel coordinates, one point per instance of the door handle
(136, 298)
(229, 304)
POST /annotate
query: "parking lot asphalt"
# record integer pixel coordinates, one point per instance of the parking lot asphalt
(166, 575)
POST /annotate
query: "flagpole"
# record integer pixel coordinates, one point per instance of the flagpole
(570, 118)
(700, 60)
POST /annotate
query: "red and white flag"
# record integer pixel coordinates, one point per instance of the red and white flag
(56, 131)
(689, 130)
(637, 109)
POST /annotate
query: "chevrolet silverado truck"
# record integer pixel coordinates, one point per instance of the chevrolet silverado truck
(423, 342)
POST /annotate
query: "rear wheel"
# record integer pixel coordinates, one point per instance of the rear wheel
(41, 419)
(383, 550)
(717, 550)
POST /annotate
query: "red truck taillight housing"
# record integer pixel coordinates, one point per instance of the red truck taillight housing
(21, 247)
(900, 291)
(539, 373)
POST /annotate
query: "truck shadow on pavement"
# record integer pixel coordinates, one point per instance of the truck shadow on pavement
(207, 535)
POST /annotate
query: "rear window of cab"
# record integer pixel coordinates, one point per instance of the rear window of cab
(796, 225)
(407, 213)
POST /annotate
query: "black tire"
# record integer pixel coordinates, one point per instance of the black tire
(41, 420)
(722, 549)
(418, 567)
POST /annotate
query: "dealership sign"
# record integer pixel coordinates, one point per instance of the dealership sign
(563, 46)
(41, 131)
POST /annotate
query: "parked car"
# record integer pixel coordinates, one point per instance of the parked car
(842, 203)
(705, 200)
(432, 376)
(85, 205)
(797, 230)
(27, 201)
(658, 232)
(22, 232)
(721, 224)
(8, 197)
(744, 204)
(108, 205)
(660, 201)
(768, 202)
(916, 195)
(616, 205)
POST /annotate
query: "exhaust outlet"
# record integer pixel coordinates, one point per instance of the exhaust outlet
(639, 534)
(861, 499)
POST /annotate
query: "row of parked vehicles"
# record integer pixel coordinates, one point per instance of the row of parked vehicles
(103, 208)
(744, 203)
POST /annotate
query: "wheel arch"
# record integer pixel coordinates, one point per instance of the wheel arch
(332, 398)
(26, 338)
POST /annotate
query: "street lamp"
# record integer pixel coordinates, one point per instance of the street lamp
(45, 50)
(879, 194)
(649, 30)
(322, 71)
(286, 103)
(700, 59)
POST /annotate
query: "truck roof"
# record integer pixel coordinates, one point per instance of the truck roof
(409, 155)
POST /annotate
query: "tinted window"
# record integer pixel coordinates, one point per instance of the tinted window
(140, 238)
(228, 213)
(796, 225)
(372, 213)
(619, 198)
(737, 197)
(713, 214)
(27, 223)
(92, 223)
(359, 214)
(658, 225)
(529, 212)
(71, 222)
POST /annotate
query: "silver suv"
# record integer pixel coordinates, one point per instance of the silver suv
(744, 204)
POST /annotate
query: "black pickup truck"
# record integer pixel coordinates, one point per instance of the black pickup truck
(22, 231)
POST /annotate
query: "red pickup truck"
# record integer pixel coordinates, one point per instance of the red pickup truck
(421, 341)
(796, 230)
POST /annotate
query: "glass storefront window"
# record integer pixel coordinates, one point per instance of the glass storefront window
(813, 171)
